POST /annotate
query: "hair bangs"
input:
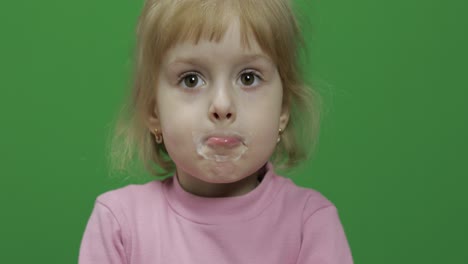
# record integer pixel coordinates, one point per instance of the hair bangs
(190, 21)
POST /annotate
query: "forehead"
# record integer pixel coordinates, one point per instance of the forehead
(230, 46)
(181, 23)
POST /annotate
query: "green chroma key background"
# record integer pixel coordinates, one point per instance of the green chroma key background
(392, 154)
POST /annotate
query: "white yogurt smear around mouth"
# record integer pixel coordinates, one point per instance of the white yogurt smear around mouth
(220, 153)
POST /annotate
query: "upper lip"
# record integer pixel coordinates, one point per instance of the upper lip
(224, 134)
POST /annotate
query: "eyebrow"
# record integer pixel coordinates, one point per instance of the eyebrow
(242, 59)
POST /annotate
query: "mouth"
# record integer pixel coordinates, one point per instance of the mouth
(221, 146)
(224, 140)
(227, 142)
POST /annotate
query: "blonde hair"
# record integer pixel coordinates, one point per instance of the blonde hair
(164, 23)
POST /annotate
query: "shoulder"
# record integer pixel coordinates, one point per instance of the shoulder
(131, 198)
(308, 199)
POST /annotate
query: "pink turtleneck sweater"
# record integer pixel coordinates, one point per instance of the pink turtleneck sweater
(160, 223)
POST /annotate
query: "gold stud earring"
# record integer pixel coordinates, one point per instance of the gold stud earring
(158, 136)
(279, 137)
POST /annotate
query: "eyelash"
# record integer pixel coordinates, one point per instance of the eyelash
(183, 75)
(254, 72)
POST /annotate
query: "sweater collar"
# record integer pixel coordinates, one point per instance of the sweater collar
(222, 210)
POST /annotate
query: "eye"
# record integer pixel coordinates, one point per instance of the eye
(190, 80)
(248, 77)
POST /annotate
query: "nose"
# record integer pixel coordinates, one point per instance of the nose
(222, 108)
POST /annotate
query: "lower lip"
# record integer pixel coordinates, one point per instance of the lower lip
(223, 141)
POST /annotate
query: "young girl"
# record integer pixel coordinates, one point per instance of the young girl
(218, 99)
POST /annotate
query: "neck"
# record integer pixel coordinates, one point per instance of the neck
(204, 189)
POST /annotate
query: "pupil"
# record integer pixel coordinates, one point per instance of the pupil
(247, 78)
(191, 80)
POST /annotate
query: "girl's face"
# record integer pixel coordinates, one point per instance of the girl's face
(219, 108)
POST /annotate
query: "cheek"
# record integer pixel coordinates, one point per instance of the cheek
(262, 118)
(177, 127)
(263, 130)
(265, 138)
(263, 126)
(178, 141)
(175, 116)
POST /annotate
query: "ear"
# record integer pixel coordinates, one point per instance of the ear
(152, 118)
(284, 117)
